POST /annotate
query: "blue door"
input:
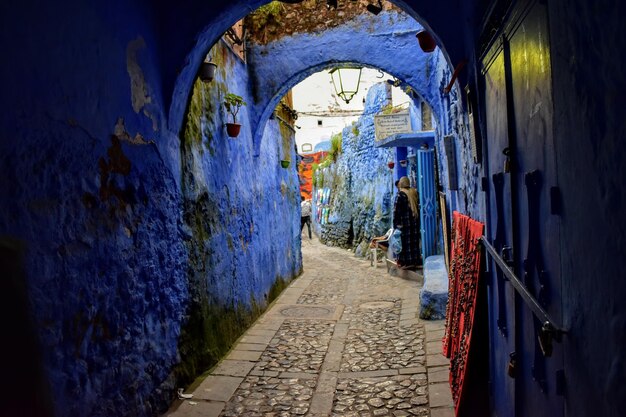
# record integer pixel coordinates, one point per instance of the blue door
(500, 233)
(428, 203)
(526, 366)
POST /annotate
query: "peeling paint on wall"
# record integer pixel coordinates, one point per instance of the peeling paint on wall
(140, 95)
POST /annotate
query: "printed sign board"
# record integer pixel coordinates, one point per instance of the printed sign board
(390, 124)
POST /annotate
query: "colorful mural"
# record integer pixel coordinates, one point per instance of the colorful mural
(305, 172)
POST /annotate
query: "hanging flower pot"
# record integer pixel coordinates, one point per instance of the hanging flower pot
(403, 163)
(426, 41)
(232, 103)
(391, 164)
(284, 163)
(233, 129)
(207, 71)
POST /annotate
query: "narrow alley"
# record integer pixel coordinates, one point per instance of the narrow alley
(343, 340)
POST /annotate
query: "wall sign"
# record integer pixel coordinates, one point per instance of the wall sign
(391, 124)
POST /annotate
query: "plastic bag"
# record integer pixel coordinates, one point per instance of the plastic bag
(395, 241)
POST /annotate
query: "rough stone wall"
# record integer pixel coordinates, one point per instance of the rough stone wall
(275, 20)
(241, 216)
(360, 181)
(127, 235)
(468, 199)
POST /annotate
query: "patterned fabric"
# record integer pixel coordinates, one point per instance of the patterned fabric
(462, 294)
(409, 225)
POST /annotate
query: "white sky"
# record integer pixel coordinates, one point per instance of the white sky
(317, 94)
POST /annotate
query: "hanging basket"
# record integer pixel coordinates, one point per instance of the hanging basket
(233, 129)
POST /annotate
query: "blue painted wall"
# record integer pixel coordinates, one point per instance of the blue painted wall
(240, 215)
(100, 193)
(361, 184)
(106, 252)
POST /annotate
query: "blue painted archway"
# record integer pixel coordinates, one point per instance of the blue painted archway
(365, 41)
(434, 17)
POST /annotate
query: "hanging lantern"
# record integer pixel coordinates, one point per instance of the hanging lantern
(346, 81)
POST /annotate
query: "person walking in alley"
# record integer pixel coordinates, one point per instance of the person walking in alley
(305, 208)
(406, 219)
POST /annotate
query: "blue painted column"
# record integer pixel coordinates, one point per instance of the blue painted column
(426, 188)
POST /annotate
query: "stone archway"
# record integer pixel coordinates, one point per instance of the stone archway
(358, 49)
(385, 42)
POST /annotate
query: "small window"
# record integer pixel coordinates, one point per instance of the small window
(319, 122)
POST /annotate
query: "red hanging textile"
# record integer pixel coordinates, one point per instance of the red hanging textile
(462, 292)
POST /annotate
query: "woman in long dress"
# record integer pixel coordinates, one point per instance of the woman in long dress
(406, 219)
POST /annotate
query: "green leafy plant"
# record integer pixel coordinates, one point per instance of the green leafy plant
(335, 146)
(390, 109)
(270, 12)
(355, 129)
(232, 103)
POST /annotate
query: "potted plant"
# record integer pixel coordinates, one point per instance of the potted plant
(232, 103)
(391, 164)
(284, 163)
(426, 41)
(207, 71)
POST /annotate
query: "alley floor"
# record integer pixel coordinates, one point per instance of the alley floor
(344, 339)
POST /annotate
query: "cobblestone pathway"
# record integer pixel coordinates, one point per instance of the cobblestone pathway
(343, 340)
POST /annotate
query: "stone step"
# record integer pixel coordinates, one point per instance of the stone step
(411, 275)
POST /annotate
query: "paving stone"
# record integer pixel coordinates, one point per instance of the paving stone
(364, 353)
(217, 388)
(244, 355)
(436, 360)
(298, 375)
(433, 325)
(233, 368)
(256, 339)
(413, 370)
(259, 331)
(197, 409)
(254, 347)
(442, 375)
(439, 395)
(442, 412)
(368, 374)
(434, 335)
(434, 347)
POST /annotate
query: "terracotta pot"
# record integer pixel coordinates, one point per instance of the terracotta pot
(426, 41)
(233, 129)
(207, 71)
(391, 164)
